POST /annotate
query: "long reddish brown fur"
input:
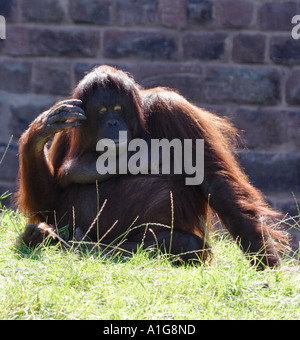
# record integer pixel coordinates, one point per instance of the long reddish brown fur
(221, 139)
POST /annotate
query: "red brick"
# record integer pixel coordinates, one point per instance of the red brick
(137, 12)
(277, 15)
(272, 171)
(51, 42)
(249, 48)
(236, 13)
(52, 78)
(15, 76)
(10, 163)
(158, 45)
(9, 9)
(173, 13)
(269, 129)
(43, 11)
(200, 12)
(285, 50)
(255, 86)
(204, 46)
(293, 88)
(97, 12)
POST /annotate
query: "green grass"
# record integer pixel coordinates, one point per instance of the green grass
(53, 284)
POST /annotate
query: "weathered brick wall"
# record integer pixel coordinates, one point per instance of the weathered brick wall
(235, 57)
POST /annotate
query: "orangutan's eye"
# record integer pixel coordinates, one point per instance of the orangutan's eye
(103, 110)
(117, 108)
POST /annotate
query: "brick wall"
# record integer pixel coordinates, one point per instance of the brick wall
(235, 57)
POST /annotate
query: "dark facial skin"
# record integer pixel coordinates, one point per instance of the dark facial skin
(106, 117)
(111, 119)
